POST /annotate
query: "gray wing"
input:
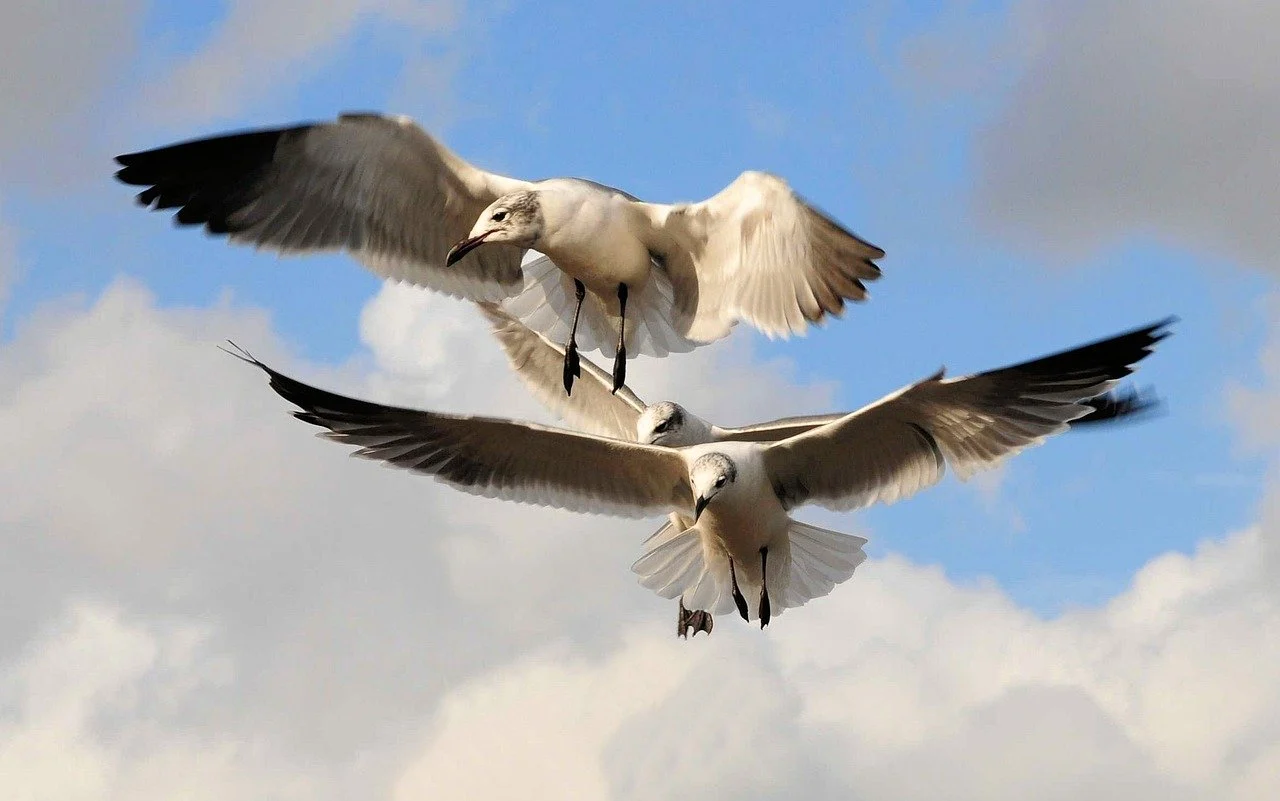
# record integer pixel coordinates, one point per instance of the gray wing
(775, 430)
(758, 252)
(539, 364)
(498, 458)
(1115, 406)
(379, 187)
(902, 444)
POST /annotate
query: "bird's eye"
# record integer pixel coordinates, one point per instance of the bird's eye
(660, 427)
(720, 481)
(499, 216)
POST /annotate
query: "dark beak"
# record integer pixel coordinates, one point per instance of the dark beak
(698, 506)
(464, 247)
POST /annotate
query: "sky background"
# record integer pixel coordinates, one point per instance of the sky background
(208, 602)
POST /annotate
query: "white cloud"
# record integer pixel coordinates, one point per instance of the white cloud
(59, 61)
(261, 45)
(1146, 118)
(218, 605)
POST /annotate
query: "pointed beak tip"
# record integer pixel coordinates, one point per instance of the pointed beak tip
(463, 248)
(698, 506)
(455, 255)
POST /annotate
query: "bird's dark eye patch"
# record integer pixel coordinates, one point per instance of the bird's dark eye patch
(720, 481)
(499, 216)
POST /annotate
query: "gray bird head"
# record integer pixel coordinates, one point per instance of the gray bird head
(671, 425)
(710, 474)
(515, 219)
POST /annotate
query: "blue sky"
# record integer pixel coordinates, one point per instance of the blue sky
(213, 604)
(672, 107)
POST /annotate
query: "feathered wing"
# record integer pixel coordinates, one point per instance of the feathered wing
(775, 430)
(379, 187)
(758, 252)
(539, 364)
(1113, 406)
(902, 443)
(500, 458)
(1127, 404)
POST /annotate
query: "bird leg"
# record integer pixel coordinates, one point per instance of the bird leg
(738, 599)
(764, 587)
(695, 620)
(620, 360)
(572, 364)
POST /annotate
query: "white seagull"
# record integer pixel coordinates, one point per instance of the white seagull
(596, 409)
(739, 494)
(660, 278)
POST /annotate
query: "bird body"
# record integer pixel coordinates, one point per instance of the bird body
(589, 233)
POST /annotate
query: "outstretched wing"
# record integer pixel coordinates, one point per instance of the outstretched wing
(758, 252)
(901, 444)
(379, 187)
(1118, 405)
(498, 458)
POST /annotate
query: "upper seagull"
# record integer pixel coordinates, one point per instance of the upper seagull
(593, 408)
(407, 207)
(739, 493)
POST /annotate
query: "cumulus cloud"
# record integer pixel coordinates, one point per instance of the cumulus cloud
(59, 60)
(261, 45)
(218, 605)
(1157, 119)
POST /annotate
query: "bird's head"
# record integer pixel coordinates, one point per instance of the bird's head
(672, 425)
(515, 219)
(710, 475)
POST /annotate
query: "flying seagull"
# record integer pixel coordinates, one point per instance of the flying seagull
(739, 494)
(660, 278)
(593, 408)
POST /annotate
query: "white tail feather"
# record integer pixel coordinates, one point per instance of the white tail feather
(678, 563)
(547, 304)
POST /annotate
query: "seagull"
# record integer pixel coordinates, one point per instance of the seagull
(595, 409)
(739, 494)
(383, 189)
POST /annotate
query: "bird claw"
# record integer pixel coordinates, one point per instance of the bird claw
(694, 621)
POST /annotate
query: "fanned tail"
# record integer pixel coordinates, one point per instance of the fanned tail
(820, 559)
(811, 561)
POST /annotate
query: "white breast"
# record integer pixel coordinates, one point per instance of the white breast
(589, 233)
(746, 515)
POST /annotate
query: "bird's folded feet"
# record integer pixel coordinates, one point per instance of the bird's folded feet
(764, 587)
(619, 368)
(572, 367)
(738, 599)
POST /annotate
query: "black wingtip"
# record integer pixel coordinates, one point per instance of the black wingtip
(243, 355)
(1128, 405)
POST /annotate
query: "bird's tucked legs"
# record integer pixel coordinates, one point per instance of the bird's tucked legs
(764, 587)
(572, 364)
(620, 361)
(738, 598)
(695, 621)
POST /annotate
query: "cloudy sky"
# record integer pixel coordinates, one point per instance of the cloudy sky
(203, 601)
